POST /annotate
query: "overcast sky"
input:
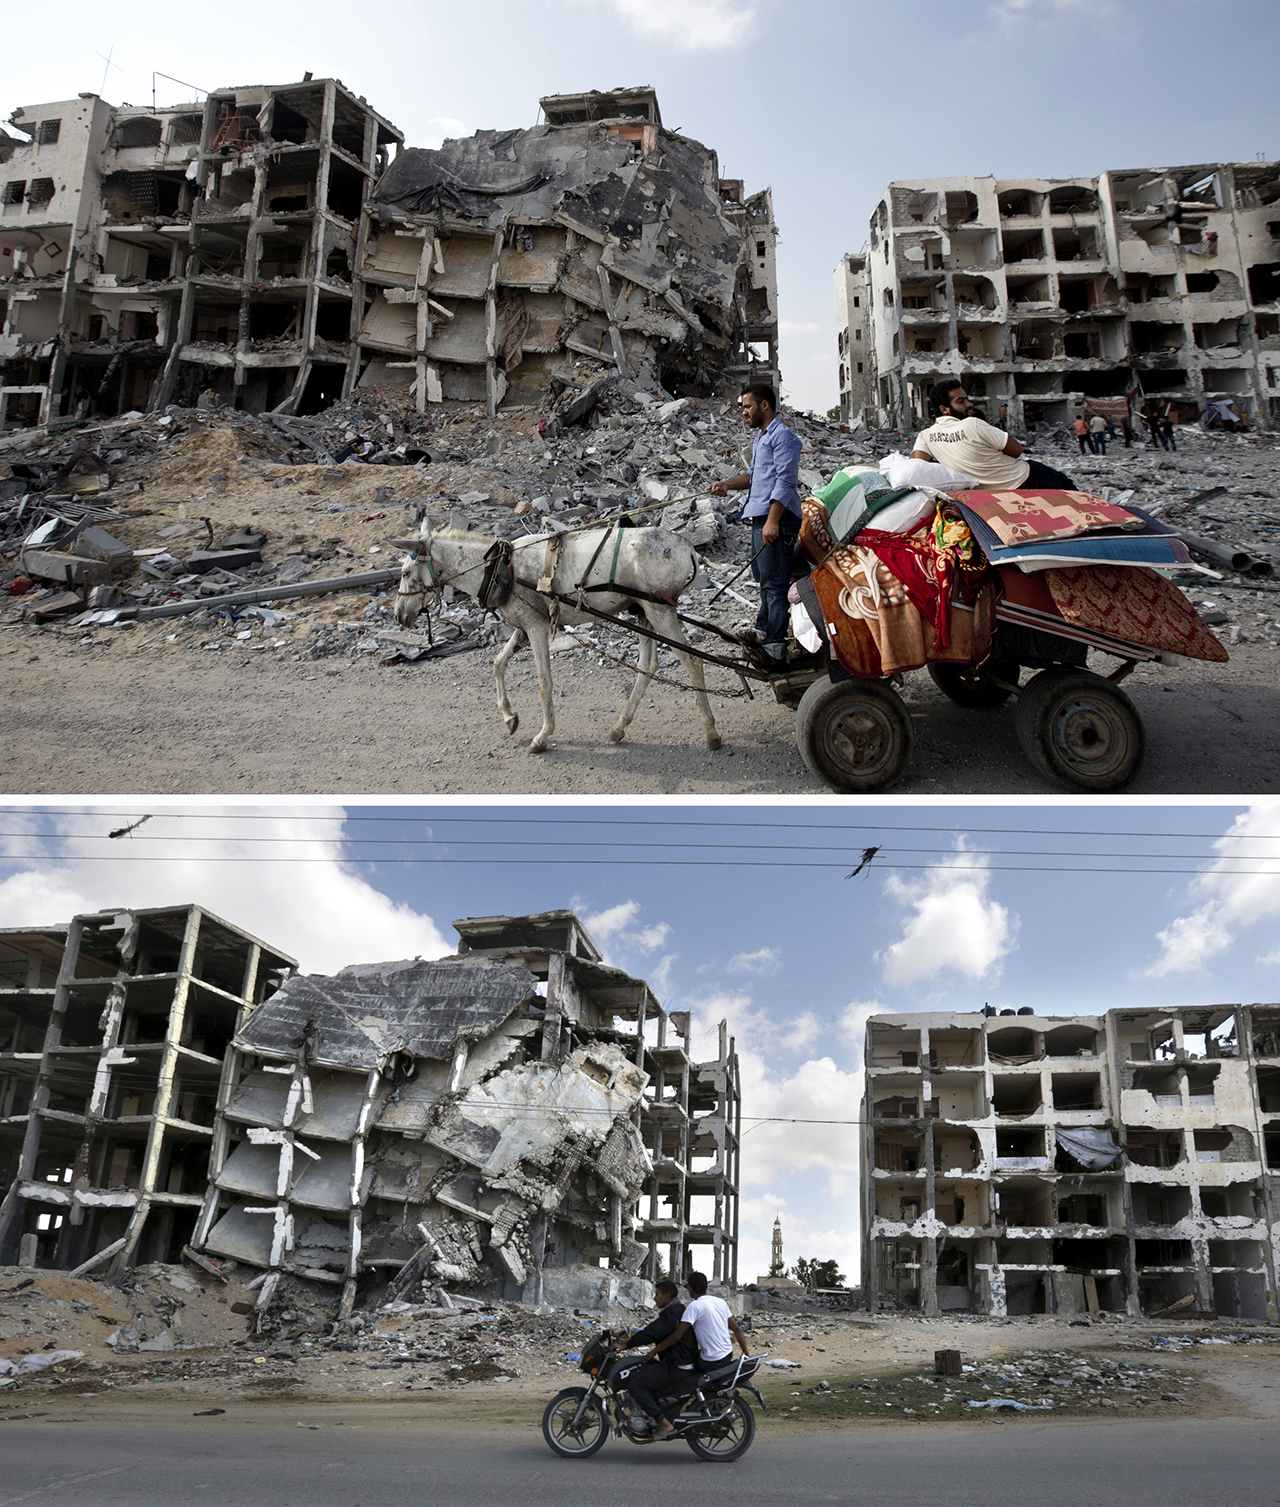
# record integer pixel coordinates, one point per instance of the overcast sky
(827, 101)
(723, 918)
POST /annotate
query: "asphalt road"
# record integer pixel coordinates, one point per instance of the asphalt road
(1022, 1463)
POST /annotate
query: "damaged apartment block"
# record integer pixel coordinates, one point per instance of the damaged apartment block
(518, 1118)
(1018, 1164)
(114, 1032)
(1039, 294)
(497, 260)
(270, 246)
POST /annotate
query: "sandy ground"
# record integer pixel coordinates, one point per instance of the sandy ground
(83, 714)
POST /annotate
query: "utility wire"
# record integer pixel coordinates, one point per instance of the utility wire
(505, 819)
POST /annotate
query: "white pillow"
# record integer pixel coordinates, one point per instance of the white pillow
(906, 514)
(905, 471)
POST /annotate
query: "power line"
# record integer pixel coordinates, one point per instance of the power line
(611, 819)
(667, 846)
(657, 863)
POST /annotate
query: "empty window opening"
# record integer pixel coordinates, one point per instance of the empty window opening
(1083, 1208)
(48, 132)
(1264, 282)
(41, 192)
(1019, 203)
(1271, 1144)
(1014, 1095)
(1078, 347)
(1160, 1206)
(1019, 1145)
(1202, 282)
(1269, 1090)
(897, 1107)
(1023, 246)
(1012, 1044)
(1225, 1144)
(1147, 337)
(1072, 1091)
(1071, 1041)
(333, 319)
(142, 132)
(1200, 1083)
(1153, 1148)
(1075, 245)
(1074, 297)
(889, 1047)
(1162, 1252)
(899, 1153)
(1235, 1201)
(1024, 1205)
(1070, 198)
(15, 192)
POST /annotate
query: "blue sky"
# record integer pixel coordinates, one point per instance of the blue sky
(712, 905)
(825, 100)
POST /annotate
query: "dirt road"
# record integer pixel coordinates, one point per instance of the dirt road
(97, 714)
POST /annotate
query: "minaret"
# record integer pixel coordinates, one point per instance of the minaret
(776, 1268)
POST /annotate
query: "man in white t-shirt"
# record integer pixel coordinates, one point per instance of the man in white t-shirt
(712, 1323)
(958, 438)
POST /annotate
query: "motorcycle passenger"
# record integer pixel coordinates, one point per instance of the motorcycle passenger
(711, 1323)
(673, 1371)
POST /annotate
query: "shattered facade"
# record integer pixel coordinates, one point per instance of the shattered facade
(518, 1117)
(265, 245)
(1128, 1162)
(496, 261)
(114, 1035)
(1039, 294)
(201, 246)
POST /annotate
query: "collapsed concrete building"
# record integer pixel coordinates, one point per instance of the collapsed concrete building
(273, 244)
(1127, 1162)
(501, 258)
(1040, 294)
(519, 1118)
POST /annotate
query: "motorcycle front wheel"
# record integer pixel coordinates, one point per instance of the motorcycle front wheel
(725, 1438)
(570, 1440)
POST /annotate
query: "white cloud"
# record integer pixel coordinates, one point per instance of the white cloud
(321, 911)
(853, 1022)
(800, 1032)
(613, 929)
(955, 925)
(691, 25)
(440, 128)
(1233, 896)
(766, 960)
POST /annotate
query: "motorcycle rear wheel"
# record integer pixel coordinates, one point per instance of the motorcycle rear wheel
(569, 1440)
(726, 1439)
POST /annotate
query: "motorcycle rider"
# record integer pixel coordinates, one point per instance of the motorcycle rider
(673, 1371)
(710, 1322)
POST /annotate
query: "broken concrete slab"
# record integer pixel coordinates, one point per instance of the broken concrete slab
(70, 570)
(96, 544)
(201, 561)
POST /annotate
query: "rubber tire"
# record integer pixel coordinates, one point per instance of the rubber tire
(1079, 731)
(599, 1422)
(726, 1457)
(966, 685)
(879, 718)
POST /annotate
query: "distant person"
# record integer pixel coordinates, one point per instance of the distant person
(1151, 419)
(774, 511)
(1081, 428)
(1167, 436)
(958, 438)
(1098, 434)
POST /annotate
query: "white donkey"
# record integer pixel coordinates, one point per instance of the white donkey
(651, 566)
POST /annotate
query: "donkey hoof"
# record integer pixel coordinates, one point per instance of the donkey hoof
(616, 734)
(713, 742)
(513, 721)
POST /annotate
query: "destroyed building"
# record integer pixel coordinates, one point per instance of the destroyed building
(148, 255)
(1126, 1162)
(268, 245)
(1039, 294)
(519, 1117)
(497, 259)
(854, 346)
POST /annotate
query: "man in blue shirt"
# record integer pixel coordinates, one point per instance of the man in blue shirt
(773, 508)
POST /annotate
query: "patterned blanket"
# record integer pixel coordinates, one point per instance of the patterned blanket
(1133, 604)
(1016, 517)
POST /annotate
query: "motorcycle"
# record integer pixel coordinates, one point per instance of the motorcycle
(710, 1414)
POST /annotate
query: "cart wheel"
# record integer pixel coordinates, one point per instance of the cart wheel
(1080, 731)
(967, 685)
(855, 735)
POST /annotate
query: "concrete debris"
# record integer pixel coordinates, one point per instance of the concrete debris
(1112, 1164)
(518, 1120)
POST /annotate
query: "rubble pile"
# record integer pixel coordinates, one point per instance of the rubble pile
(208, 504)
